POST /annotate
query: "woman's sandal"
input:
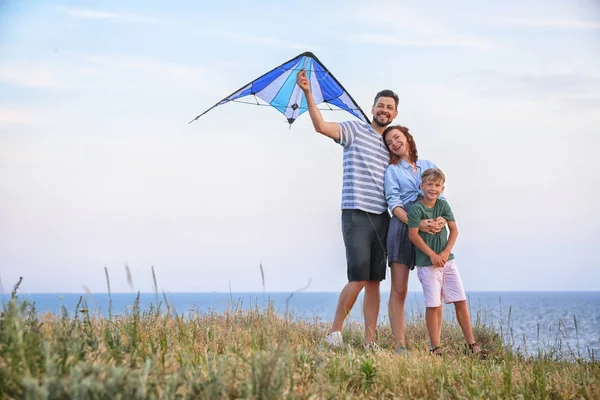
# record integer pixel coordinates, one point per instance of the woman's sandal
(435, 351)
(481, 353)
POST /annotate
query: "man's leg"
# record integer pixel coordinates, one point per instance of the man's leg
(371, 309)
(378, 225)
(358, 250)
(346, 302)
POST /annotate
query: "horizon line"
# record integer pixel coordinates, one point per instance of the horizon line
(312, 292)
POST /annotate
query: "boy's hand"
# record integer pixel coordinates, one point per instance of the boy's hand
(444, 254)
(437, 261)
(302, 81)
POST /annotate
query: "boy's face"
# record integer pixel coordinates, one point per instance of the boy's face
(432, 189)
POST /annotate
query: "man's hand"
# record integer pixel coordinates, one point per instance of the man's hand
(437, 261)
(302, 81)
(432, 226)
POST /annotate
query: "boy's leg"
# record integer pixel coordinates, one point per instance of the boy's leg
(431, 318)
(431, 280)
(464, 320)
(440, 317)
(454, 292)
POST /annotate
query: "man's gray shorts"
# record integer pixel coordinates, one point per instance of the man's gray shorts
(365, 236)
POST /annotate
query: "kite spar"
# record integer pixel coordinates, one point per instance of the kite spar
(278, 89)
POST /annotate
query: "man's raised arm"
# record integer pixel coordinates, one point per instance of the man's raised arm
(329, 129)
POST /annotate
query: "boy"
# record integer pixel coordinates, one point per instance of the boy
(436, 268)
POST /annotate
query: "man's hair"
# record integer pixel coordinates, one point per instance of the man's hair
(433, 174)
(387, 93)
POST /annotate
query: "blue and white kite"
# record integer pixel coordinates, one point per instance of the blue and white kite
(279, 90)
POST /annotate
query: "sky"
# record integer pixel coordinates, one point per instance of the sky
(100, 168)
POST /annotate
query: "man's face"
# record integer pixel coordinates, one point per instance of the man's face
(384, 111)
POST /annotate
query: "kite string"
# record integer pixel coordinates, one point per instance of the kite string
(383, 247)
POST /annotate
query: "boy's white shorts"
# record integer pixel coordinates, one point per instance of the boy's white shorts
(441, 282)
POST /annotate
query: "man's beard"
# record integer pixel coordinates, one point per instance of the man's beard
(376, 120)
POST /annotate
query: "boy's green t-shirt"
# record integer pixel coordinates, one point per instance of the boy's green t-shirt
(436, 242)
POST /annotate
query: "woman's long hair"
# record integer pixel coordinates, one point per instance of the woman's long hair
(413, 154)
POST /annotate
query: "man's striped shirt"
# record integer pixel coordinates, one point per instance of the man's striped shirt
(365, 161)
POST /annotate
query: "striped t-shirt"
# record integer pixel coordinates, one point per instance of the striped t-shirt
(365, 161)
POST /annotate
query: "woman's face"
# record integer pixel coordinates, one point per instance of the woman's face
(397, 143)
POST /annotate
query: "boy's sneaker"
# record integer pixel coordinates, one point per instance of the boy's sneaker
(402, 350)
(374, 347)
(334, 339)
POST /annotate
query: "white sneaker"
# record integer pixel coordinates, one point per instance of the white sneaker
(334, 339)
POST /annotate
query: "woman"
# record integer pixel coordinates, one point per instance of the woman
(402, 180)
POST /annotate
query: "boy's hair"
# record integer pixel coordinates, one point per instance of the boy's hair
(433, 174)
(387, 93)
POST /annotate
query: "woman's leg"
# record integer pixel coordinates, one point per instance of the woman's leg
(398, 291)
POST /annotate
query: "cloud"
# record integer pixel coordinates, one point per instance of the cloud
(157, 70)
(411, 29)
(492, 98)
(24, 74)
(446, 40)
(552, 23)
(14, 116)
(85, 71)
(577, 88)
(111, 16)
(254, 40)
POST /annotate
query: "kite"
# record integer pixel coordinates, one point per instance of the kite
(278, 89)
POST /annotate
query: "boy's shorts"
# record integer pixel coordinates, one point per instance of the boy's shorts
(441, 282)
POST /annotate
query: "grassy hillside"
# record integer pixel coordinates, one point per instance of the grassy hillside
(258, 354)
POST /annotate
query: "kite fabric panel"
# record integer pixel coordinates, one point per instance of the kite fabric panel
(278, 89)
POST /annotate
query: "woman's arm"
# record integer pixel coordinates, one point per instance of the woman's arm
(393, 196)
(413, 235)
(402, 215)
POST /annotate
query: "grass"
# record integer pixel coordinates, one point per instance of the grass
(259, 354)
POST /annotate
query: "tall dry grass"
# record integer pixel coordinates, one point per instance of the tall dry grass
(259, 354)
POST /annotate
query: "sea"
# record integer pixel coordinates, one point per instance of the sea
(530, 321)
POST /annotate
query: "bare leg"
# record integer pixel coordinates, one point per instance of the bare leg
(464, 320)
(397, 299)
(431, 318)
(371, 309)
(440, 320)
(346, 302)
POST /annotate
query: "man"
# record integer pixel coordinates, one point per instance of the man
(365, 219)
